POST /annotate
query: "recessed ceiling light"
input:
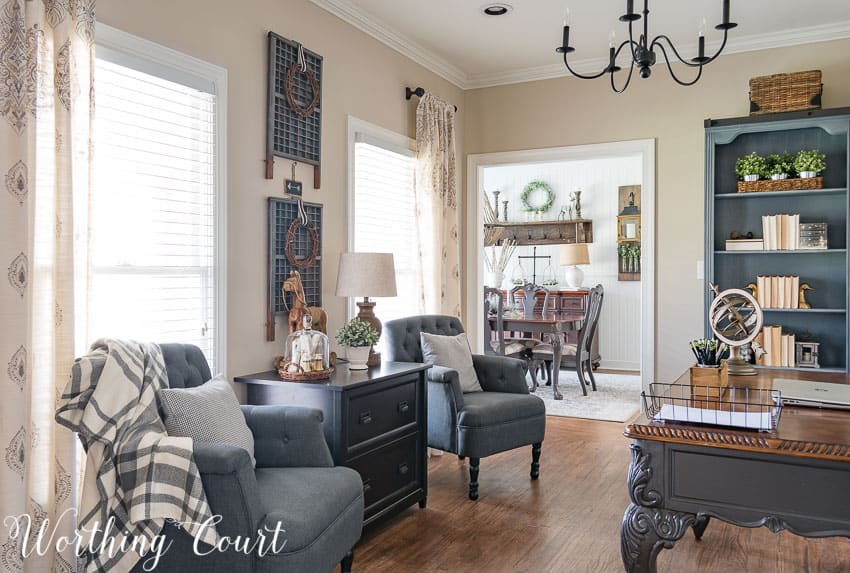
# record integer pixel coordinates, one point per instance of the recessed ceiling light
(497, 9)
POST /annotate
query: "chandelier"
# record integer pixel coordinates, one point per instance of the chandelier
(643, 52)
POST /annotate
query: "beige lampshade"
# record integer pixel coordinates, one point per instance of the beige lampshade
(366, 274)
(575, 254)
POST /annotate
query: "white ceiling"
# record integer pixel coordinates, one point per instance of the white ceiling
(454, 39)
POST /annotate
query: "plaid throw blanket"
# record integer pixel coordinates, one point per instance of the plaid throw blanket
(136, 475)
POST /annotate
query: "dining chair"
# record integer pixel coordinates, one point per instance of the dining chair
(543, 354)
(495, 342)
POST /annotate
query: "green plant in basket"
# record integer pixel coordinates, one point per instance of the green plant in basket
(751, 164)
(779, 164)
(810, 161)
(356, 332)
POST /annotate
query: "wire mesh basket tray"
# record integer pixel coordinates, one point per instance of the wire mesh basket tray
(730, 407)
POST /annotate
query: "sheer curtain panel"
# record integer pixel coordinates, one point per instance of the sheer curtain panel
(46, 66)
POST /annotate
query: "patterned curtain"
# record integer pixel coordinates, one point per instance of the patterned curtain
(46, 66)
(437, 215)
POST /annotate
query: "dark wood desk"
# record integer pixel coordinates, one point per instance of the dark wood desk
(552, 325)
(375, 422)
(796, 478)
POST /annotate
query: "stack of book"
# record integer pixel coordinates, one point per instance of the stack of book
(779, 347)
(778, 292)
(781, 232)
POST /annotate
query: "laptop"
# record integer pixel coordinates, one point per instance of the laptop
(812, 393)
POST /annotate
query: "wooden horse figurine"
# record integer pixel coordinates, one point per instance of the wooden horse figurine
(299, 305)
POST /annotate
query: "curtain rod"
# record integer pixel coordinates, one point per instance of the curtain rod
(418, 92)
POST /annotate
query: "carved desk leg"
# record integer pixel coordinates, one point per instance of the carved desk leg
(647, 527)
(646, 531)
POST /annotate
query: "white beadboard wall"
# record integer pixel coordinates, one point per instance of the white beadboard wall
(619, 326)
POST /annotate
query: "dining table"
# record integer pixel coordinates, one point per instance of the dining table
(552, 325)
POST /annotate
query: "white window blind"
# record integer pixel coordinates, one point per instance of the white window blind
(384, 218)
(153, 209)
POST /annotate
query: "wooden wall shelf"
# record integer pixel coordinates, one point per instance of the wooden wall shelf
(545, 232)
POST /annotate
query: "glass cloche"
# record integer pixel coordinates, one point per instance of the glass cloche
(307, 352)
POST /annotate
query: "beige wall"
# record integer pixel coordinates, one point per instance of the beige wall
(568, 111)
(362, 78)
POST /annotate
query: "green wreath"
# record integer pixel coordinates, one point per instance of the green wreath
(537, 185)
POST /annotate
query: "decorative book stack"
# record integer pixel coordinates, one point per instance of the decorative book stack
(779, 347)
(778, 292)
(786, 233)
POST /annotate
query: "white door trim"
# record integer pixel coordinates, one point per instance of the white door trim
(475, 240)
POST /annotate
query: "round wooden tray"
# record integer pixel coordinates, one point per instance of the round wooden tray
(305, 376)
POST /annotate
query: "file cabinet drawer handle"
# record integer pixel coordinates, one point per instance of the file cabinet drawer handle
(403, 407)
(403, 468)
(366, 486)
(366, 417)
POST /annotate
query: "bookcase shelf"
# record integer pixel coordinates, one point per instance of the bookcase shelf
(726, 211)
(786, 252)
(807, 310)
(775, 194)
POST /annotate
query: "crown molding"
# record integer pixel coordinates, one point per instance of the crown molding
(348, 12)
(752, 43)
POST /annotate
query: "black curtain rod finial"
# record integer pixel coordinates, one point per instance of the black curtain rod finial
(418, 92)
(409, 93)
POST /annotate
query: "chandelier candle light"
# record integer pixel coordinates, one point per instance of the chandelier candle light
(643, 52)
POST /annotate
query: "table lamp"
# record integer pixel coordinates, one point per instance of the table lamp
(366, 275)
(572, 256)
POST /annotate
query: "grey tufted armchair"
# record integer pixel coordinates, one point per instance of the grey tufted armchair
(476, 424)
(295, 484)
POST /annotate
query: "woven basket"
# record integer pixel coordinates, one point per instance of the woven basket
(780, 185)
(303, 376)
(786, 92)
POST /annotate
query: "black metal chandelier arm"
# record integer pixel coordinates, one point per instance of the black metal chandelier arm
(625, 85)
(584, 77)
(672, 74)
(658, 39)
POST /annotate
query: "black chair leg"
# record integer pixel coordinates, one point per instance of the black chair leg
(535, 460)
(345, 564)
(590, 375)
(533, 369)
(580, 376)
(549, 371)
(473, 478)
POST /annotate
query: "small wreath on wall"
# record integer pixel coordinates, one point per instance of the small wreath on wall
(290, 97)
(313, 253)
(537, 197)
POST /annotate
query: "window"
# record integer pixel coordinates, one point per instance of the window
(156, 208)
(383, 211)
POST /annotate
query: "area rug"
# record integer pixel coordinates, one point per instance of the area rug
(617, 398)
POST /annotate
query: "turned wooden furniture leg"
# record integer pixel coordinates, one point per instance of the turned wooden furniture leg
(535, 460)
(556, 365)
(345, 565)
(473, 478)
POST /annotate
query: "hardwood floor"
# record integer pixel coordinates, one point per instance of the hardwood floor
(568, 520)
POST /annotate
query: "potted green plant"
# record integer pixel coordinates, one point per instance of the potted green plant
(357, 336)
(751, 166)
(809, 163)
(779, 166)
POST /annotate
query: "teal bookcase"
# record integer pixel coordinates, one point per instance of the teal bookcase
(726, 210)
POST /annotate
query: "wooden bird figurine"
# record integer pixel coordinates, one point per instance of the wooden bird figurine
(754, 289)
(803, 302)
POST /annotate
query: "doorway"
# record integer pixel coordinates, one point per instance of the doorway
(598, 170)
